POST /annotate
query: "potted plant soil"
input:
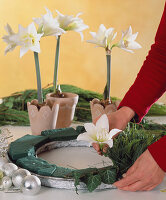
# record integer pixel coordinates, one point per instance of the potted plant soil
(104, 38)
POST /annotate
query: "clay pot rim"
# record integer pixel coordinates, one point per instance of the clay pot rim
(51, 109)
(72, 95)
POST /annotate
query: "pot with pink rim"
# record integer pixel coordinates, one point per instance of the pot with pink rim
(97, 109)
(42, 118)
(67, 105)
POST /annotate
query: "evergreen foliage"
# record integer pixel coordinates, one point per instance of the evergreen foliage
(14, 108)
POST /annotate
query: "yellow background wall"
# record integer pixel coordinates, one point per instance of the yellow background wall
(80, 63)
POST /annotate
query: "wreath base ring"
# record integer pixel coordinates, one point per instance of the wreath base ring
(64, 183)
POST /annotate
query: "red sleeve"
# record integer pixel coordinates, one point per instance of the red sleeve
(158, 151)
(149, 86)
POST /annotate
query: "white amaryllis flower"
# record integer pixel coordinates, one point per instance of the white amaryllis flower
(8, 39)
(48, 25)
(128, 42)
(100, 133)
(28, 39)
(70, 23)
(103, 38)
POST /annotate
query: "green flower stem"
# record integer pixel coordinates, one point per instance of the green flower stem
(56, 64)
(108, 56)
(39, 88)
(101, 146)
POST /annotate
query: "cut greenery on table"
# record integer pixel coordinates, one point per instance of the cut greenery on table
(13, 110)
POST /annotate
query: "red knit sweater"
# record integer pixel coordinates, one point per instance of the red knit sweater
(149, 85)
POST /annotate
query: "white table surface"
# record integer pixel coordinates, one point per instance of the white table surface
(59, 194)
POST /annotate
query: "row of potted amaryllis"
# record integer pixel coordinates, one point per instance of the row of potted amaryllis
(57, 111)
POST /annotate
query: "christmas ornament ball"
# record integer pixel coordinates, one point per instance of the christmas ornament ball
(2, 162)
(18, 176)
(6, 182)
(9, 168)
(31, 185)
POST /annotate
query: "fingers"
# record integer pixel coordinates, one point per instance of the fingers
(148, 188)
(96, 147)
(134, 187)
(131, 170)
(126, 181)
(105, 148)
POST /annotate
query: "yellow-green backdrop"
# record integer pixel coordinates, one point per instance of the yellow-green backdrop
(80, 63)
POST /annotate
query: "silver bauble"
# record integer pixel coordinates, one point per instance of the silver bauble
(31, 185)
(18, 176)
(6, 182)
(9, 168)
(2, 162)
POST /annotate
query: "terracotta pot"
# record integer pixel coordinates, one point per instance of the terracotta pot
(97, 109)
(43, 119)
(67, 107)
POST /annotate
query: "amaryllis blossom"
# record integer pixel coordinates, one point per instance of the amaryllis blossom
(99, 133)
(9, 39)
(103, 38)
(128, 42)
(28, 39)
(70, 23)
(48, 25)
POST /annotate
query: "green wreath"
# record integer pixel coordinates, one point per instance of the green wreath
(128, 146)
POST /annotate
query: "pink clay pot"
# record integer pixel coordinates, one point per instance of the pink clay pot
(43, 119)
(97, 109)
(67, 107)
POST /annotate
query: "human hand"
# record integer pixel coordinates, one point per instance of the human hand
(144, 175)
(119, 120)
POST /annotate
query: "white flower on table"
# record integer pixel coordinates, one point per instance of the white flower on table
(70, 23)
(48, 25)
(128, 42)
(103, 38)
(9, 39)
(100, 133)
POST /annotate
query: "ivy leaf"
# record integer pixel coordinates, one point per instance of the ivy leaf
(109, 176)
(76, 180)
(93, 182)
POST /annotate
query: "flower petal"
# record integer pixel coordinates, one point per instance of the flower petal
(114, 132)
(23, 50)
(32, 28)
(134, 45)
(9, 29)
(133, 37)
(128, 50)
(103, 122)
(35, 48)
(90, 127)
(102, 28)
(110, 143)
(85, 137)
(129, 32)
